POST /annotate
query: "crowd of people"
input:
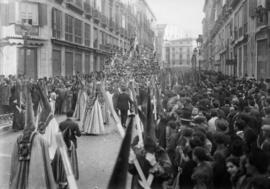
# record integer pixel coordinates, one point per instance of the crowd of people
(211, 133)
(200, 130)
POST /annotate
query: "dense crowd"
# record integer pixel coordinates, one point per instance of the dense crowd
(209, 130)
(212, 133)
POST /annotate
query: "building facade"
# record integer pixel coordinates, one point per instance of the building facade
(236, 37)
(65, 37)
(178, 53)
(160, 33)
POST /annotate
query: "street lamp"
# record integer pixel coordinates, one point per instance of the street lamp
(26, 29)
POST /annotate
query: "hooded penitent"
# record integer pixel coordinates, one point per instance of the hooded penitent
(45, 116)
(30, 163)
(47, 124)
(148, 122)
(119, 176)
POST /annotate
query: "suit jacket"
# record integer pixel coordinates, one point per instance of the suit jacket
(73, 131)
(123, 101)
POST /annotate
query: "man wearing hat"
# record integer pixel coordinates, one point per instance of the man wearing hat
(123, 104)
(185, 118)
(266, 119)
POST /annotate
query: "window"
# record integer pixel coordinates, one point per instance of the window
(69, 28)
(69, 62)
(87, 34)
(78, 62)
(78, 31)
(181, 59)
(28, 13)
(95, 38)
(103, 38)
(56, 23)
(87, 64)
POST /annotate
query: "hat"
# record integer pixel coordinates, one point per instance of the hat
(222, 125)
(185, 115)
(199, 119)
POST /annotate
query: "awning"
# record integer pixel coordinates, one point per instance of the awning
(18, 41)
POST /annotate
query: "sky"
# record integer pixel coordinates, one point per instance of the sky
(184, 16)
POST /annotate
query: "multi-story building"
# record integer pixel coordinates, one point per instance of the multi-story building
(160, 33)
(178, 53)
(236, 35)
(64, 37)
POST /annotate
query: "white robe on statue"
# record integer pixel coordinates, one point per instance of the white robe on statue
(80, 106)
(94, 123)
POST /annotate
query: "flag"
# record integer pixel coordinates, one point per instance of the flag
(46, 112)
(118, 179)
(147, 120)
(29, 126)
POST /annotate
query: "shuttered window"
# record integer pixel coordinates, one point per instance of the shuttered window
(56, 23)
(78, 31)
(28, 13)
(69, 62)
(87, 35)
(56, 62)
(69, 28)
(78, 62)
(87, 64)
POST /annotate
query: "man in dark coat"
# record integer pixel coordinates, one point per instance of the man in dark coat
(123, 104)
(72, 128)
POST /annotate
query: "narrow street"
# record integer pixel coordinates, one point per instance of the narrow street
(96, 154)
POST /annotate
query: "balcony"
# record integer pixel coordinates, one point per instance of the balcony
(75, 5)
(261, 16)
(105, 47)
(87, 10)
(104, 20)
(96, 15)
